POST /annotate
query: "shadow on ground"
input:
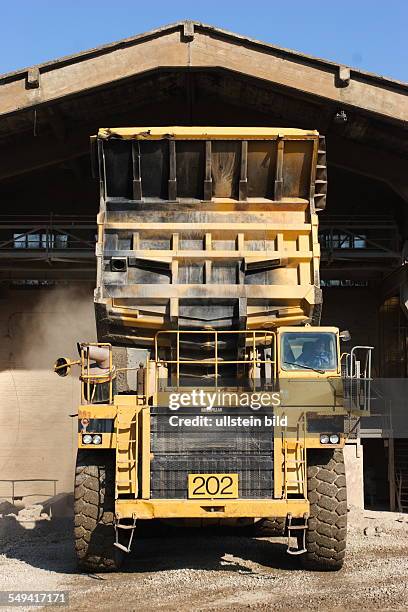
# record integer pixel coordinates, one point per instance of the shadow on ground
(49, 546)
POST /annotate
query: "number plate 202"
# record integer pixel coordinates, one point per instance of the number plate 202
(219, 486)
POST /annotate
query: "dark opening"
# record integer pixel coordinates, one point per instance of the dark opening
(118, 264)
(376, 488)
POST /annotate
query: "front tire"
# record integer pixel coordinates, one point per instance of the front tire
(327, 532)
(94, 512)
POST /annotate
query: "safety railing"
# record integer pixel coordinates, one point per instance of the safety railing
(356, 374)
(13, 481)
(258, 349)
(20, 235)
(96, 387)
(364, 236)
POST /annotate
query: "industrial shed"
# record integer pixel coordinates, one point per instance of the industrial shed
(188, 73)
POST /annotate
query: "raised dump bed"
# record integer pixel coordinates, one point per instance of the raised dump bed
(207, 228)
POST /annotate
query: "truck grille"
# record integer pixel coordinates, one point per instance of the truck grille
(182, 450)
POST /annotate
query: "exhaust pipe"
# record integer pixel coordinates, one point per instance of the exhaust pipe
(99, 354)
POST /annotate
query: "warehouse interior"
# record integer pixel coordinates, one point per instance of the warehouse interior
(188, 74)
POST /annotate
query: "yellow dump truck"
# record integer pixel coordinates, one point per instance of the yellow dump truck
(212, 394)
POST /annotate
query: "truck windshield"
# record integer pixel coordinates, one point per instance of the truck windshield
(311, 350)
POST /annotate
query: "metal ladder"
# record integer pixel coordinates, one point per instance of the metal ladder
(297, 464)
(126, 477)
(118, 525)
(299, 467)
(126, 468)
(304, 526)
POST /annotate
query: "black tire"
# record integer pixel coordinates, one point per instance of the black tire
(94, 512)
(274, 527)
(327, 532)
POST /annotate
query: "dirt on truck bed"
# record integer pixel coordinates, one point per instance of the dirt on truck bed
(203, 570)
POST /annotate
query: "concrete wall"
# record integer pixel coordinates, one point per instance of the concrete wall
(37, 436)
(353, 459)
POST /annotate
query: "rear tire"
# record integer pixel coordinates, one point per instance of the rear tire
(94, 512)
(327, 532)
(274, 527)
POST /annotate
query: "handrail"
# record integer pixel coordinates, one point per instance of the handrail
(89, 381)
(255, 337)
(357, 381)
(12, 481)
(48, 228)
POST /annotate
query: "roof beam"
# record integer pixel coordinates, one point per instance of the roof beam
(299, 73)
(88, 73)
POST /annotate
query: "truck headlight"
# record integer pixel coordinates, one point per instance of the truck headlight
(86, 439)
(324, 439)
(96, 439)
(334, 439)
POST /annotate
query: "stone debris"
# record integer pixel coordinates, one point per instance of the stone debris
(209, 571)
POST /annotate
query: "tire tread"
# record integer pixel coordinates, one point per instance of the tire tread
(327, 533)
(94, 505)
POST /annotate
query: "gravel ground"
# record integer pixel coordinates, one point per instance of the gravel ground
(206, 570)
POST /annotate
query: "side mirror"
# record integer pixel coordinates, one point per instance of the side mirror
(62, 367)
(345, 336)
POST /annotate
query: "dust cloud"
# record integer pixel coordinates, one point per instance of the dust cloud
(38, 325)
(49, 324)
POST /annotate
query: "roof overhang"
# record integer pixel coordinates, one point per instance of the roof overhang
(48, 112)
(193, 45)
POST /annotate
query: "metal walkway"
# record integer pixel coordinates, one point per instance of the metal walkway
(62, 248)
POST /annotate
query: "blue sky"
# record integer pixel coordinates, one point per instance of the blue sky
(368, 34)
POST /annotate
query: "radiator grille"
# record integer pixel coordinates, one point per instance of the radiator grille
(180, 450)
